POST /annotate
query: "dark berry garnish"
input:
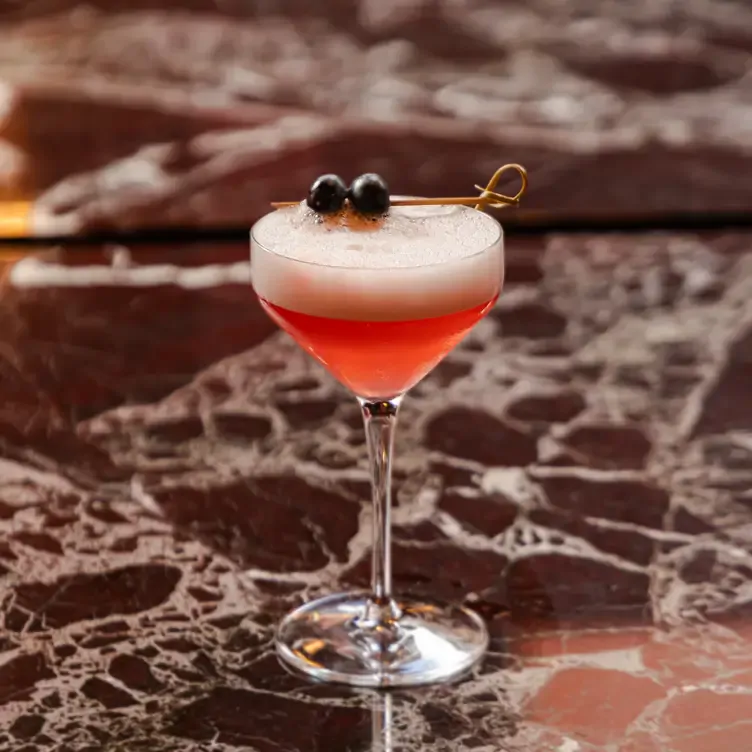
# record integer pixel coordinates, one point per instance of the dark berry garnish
(369, 194)
(327, 194)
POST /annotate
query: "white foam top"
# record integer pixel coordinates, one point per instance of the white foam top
(417, 262)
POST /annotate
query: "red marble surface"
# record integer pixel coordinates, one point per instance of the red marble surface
(175, 475)
(165, 113)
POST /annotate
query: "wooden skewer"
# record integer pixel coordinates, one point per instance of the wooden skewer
(496, 200)
(488, 197)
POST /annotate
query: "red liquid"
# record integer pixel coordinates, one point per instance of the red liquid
(378, 359)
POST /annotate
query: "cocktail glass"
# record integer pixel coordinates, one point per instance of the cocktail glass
(379, 331)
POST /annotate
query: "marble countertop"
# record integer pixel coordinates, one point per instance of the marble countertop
(194, 113)
(175, 475)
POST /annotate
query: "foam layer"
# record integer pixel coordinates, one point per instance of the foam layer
(417, 262)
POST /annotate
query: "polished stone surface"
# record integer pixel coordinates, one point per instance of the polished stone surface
(175, 475)
(195, 112)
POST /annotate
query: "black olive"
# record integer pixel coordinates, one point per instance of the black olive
(369, 194)
(327, 194)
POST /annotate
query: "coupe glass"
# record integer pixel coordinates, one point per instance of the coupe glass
(377, 638)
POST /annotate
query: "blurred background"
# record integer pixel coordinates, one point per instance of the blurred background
(121, 116)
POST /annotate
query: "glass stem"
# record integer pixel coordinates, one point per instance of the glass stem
(380, 420)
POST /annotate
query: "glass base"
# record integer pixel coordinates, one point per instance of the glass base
(349, 639)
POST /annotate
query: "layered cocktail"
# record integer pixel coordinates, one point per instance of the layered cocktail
(378, 293)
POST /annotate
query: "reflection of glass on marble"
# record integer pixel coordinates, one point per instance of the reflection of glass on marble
(382, 723)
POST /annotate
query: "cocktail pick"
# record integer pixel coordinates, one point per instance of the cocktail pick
(488, 197)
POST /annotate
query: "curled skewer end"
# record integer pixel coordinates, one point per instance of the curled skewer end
(489, 197)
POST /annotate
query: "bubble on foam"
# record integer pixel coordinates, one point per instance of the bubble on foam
(416, 262)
